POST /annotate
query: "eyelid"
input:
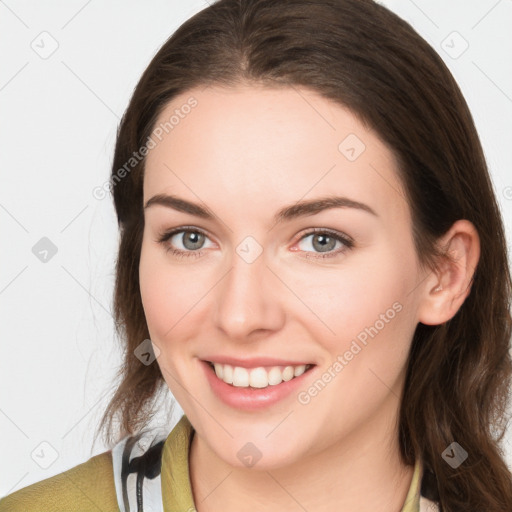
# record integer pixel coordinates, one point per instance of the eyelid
(347, 241)
(166, 235)
(334, 233)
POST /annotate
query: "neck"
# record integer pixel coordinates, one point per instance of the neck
(363, 472)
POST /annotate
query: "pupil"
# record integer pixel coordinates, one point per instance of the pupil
(193, 240)
(325, 243)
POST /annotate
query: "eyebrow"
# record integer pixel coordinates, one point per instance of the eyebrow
(299, 209)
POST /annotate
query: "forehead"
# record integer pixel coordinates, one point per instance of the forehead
(277, 145)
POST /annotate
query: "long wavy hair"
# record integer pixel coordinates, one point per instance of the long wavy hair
(361, 55)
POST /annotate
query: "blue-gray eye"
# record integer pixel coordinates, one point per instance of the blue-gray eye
(320, 242)
(190, 240)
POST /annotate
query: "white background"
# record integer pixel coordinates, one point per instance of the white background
(59, 120)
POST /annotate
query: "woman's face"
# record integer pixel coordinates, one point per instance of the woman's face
(268, 274)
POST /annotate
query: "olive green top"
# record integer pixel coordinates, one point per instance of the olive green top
(90, 486)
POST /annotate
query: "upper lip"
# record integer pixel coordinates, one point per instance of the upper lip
(254, 362)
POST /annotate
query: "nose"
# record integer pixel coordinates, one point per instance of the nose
(248, 304)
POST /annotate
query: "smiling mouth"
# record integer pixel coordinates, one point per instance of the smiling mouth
(258, 378)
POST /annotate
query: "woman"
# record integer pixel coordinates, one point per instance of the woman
(312, 260)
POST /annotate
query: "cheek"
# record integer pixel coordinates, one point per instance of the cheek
(362, 307)
(364, 332)
(158, 287)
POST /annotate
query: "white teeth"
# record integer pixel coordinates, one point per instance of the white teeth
(275, 376)
(299, 370)
(227, 373)
(288, 373)
(257, 377)
(240, 377)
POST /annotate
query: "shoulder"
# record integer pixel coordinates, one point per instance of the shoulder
(88, 486)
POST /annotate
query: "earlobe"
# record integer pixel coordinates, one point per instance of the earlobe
(446, 289)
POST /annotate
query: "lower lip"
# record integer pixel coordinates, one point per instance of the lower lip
(251, 399)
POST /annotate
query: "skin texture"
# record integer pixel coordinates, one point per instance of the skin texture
(244, 153)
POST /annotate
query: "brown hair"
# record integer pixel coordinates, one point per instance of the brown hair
(361, 55)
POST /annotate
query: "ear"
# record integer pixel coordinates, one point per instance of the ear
(445, 290)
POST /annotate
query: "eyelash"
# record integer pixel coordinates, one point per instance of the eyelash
(165, 236)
